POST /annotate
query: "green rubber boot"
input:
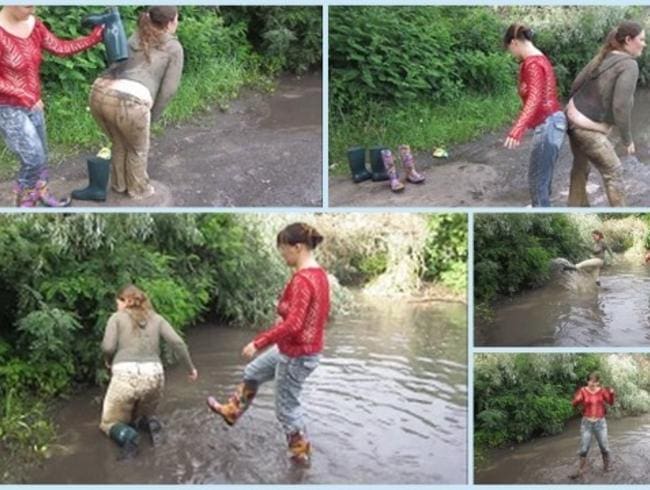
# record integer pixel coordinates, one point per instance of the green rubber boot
(98, 173)
(127, 438)
(377, 164)
(357, 161)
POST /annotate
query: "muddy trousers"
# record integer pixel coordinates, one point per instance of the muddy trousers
(126, 120)
(290, 374)
(547, 142)
(597, 429)
(595, 148)
(591, 266)
(134, 391)
(23, 131)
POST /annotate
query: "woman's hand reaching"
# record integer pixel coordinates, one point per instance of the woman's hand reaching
(249, 351)
(193, 376)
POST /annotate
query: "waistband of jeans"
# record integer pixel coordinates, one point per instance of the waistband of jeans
(118, 94)
(131, 367)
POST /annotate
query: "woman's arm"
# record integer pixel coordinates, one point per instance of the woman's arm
(65, 47)
(609, 396)
(301, 297)
(578, 398)
(623, 100)
(109, 343)
(170, 82)
(533, 76)
(177, 344)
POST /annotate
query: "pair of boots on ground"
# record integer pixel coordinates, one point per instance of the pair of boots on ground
(98, 174)
(126, 436)
(238, 403)
(383, 166)
(582, 468)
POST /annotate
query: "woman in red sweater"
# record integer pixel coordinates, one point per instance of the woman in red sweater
(293, 345)
(541, 112)
(23, 38)
(593, 399)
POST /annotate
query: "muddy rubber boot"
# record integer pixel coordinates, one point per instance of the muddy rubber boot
(357, 162)
(98, 173)
(26, 198)
(299, 449)
(48, 199)
(408, 162)
(127, 438)
(582, 469)
(154, 428)
(606, 462)
(237, 404)
(377, 164)
(391, 170)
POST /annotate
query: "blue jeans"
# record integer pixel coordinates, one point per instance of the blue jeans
(24, 133)
(547, 141)
(290, 374)
(598, 429)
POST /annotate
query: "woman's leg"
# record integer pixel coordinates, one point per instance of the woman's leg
(579, 171)
(592, 266)
(150, 391)
(134, 130)
(600, 431)
(585, 443)
(547, 142)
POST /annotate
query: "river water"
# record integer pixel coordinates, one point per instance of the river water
(387, 405)
(553, 459)
(573, 311)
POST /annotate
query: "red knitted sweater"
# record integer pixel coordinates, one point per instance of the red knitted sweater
(538, 91)
(20, 61)
(304, 309)
(593, 404)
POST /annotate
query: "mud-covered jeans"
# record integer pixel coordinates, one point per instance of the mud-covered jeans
(125, 119)
(598, 429)
(290, 374)
(24, 133)
(134, 391)
(547, 142)
(593, 146)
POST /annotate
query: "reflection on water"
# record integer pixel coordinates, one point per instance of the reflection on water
(554, 459)
(573, 311)
(387, 405)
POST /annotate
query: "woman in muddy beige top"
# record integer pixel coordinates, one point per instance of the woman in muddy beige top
(602, 96)
(132, 94)
(131, 347)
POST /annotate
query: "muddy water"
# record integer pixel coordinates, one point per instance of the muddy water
(554, 459)
(573, 311)
(387, 405)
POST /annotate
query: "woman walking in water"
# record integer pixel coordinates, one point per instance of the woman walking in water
(541, 112)
(293, 345)
(598, 251)
(131, 347)
(593, 398)
(602, 96)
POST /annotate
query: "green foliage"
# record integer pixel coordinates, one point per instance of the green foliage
(446, 250)
(512, 251)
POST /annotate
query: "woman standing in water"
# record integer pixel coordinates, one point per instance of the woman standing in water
(598, 251)
(541, 112)
(593, 399)
(602, 96)
(293, 345)
(131, 347)
(23, 38)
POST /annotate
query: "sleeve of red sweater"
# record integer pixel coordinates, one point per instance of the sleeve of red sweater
(533, 75)
(577, 398)
(301, 295)
(61, 47)
(609, 396)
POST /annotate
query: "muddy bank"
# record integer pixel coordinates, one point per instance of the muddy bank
(553, 459)
(265, 150)
(484, 173)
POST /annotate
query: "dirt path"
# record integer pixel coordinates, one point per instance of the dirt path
(484, 173)
(265, 150)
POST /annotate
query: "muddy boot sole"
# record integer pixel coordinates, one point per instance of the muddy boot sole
(215, 407)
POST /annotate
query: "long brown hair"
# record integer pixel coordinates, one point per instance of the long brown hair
(517, 31)
(138, 305)
(152, 24)
(615, 40)
(299, 233)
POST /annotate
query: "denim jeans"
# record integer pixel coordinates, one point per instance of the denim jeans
(598, 429)
(547, 141)
(24, 133)
(290, 374)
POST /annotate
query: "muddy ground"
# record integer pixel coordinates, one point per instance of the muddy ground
(265, 150)
(484, 173)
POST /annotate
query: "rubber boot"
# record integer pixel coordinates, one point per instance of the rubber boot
(605, 462)
(391, 170)
(127, 438)
(48, 199)
(153, 427)
(26, 198)
(582, 469)
(377, 164)
(98, 173)
(409, 165)
(115, 40)
(237, 404)
(357, 162)
(299, 448)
